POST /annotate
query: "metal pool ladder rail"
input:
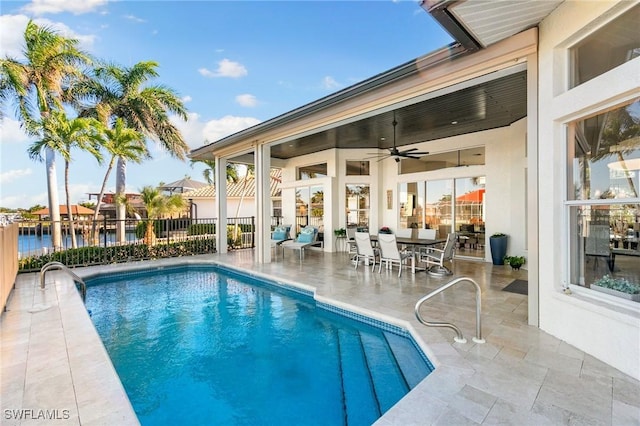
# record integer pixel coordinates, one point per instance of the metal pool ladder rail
(459, 338)
(58, 265)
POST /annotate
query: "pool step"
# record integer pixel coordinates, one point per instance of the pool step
(376, 374)
(361, 405)
(411, 363)
(388, 380)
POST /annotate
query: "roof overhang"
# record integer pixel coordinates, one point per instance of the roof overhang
(479, 91)
(478, 24)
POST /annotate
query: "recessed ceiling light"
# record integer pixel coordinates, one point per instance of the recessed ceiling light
(454, 122)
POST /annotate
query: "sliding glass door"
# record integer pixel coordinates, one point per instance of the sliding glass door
(447, 205)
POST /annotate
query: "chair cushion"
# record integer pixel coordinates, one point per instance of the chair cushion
(278, 235)
(306, 235)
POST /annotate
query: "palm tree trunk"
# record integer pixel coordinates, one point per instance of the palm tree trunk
(121, 175)
(72, 228)
(632, 185)
(52, 192)
(244, 189)
(94, 227)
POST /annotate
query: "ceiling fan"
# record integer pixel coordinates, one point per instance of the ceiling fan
(395, 152)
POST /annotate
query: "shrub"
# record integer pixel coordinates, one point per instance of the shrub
(201, 229)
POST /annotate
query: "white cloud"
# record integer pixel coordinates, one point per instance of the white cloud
(24, 201)
(186, 99)
(134, 18)
(246, 100)
(197, 133)
(226, 68)
(77, 7)
(11, 175)
(12, 34)
(11, 131)
(227, 125)
(330, 84)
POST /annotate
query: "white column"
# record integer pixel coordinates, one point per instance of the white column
(263, 203)
(532, 191)
(221, 204)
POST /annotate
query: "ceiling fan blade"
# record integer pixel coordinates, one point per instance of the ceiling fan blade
(415, 152)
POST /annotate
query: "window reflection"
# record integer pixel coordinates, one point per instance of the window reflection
(604, 215)
(357, 206)
(614, 44)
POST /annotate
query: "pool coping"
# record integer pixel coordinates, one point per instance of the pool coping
(105, 401)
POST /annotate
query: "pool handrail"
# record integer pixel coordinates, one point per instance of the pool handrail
(62, 266)
(459, 337)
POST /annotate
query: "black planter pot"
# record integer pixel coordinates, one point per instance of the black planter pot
(498, 249)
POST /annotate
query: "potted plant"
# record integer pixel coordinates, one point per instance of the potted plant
(514, 261)
(340, 232)
(619, 287)
(498, 244)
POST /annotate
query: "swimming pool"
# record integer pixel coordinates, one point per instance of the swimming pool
(207, 345)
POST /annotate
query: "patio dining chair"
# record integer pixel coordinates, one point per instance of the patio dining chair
(389, 253)
(365, 250)
(351, 241)
(426, 234)
(435, 258)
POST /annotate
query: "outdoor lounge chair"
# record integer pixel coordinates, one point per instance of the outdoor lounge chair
(436, 257)
(364, 250)
(279, 235)
(389, 253)
(308, 237)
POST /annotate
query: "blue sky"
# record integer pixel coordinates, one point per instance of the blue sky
(234, 63)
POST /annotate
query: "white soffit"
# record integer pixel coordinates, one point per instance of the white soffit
(492, 21)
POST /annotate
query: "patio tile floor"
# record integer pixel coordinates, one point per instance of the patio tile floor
(52, 358)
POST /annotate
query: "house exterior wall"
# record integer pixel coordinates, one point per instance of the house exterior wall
(607, 330)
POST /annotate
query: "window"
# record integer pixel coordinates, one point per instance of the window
(309, 207)
(443, 160)
(429, 205)
(358, 168)
(277, 208)
(357, 205)
(312, 171)
(605, 49)
(604, 203)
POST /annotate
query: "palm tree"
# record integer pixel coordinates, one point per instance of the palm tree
(157, 205)
(120, 142)
(36, 85)
(61, 135)
(125, 93)
(209, 173)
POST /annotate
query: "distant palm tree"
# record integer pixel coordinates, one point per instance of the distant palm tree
(157, 205)
(120, 142)
(61, 135)
(209, 172)
(36, 85)
(125, 93)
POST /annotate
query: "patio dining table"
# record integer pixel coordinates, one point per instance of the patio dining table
(414, 243)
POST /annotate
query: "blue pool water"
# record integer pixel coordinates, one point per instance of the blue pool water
(196, 345)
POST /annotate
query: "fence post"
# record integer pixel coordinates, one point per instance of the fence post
(104, 239)
(253, 232)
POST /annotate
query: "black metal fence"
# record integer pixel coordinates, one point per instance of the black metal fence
(111, 241)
